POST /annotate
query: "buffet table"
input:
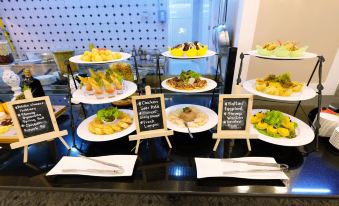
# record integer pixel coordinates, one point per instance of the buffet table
(165, 176)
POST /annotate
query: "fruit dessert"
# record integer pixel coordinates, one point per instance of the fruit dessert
(281, 49)
(99, 55)
(189, 49)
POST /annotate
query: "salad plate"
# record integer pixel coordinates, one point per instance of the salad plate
(303, 133)
(85, 134)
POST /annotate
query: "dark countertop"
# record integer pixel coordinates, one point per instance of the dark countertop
(160, 170)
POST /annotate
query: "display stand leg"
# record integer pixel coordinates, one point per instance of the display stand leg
(158, 71)
(242, 55)
(320, 87)
(137, 73)
(137, 146)
(248, 144)
(70, 106)
(216, 78)
(308, 83)
(25, 154)
(168, 142)
(216, 145)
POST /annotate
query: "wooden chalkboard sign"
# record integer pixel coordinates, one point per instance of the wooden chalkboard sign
(234, 118)
(34, 118)
(150, 114)
(34, 121)
(150, 117)
(234, 113)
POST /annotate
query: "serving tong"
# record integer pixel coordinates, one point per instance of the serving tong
(118, 169)
(275, 166)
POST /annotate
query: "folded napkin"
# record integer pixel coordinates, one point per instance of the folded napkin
(208, 167)
(82, 166)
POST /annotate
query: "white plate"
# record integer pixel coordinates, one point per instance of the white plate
(212, 119)
(77, 60)
(85, 134)
(80, 96)
(304, 133)
(307, 55)
(306, 92)
(209, 53)
(211, 84)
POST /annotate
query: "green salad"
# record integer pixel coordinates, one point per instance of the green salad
(186, 75)
(274, 123)
(108, 114)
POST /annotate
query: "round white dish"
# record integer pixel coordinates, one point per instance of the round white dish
(306, 93)
(80, 96)
(85, 134)
(211, 84)
(209, 53)
(307, 55)
(77, 59)
(212, 119)
(304, 133)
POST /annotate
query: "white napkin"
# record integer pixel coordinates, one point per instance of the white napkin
(208, 167)
(86, 166)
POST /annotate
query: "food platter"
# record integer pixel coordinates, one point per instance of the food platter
(212, 119)
(80, 95)
(209, 53)
(307, 55)
(304, 133)
(85, 134)
(77, 59)
(211, 84)
(305, 94)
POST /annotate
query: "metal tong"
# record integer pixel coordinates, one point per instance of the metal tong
(275, 166)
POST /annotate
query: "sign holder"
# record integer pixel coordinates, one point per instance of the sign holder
(24, 142)
(234, 134)
(152, 133)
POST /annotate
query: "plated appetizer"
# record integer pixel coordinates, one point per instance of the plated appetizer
(281, 49)
(279, 85)
(187, 80)
(191, 115)
(189, 49)
(102, 84)
(109, 121)
(99, 55)
(274, 124)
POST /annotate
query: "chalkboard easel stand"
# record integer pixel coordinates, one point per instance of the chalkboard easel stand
(243, 133)
(152, 133)
(49, 136)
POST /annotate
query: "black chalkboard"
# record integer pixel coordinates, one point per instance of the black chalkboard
(33, 118)
(234, 113)
(149, 114)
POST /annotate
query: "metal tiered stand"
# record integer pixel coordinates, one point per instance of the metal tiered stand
(320, 87)
(84, 100)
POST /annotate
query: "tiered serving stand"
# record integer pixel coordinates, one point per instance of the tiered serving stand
(79, 96)
(306, 134)
(211, 85)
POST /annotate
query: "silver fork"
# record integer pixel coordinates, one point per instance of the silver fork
(189, 131)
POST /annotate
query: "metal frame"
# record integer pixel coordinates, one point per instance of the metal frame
(320, 87)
